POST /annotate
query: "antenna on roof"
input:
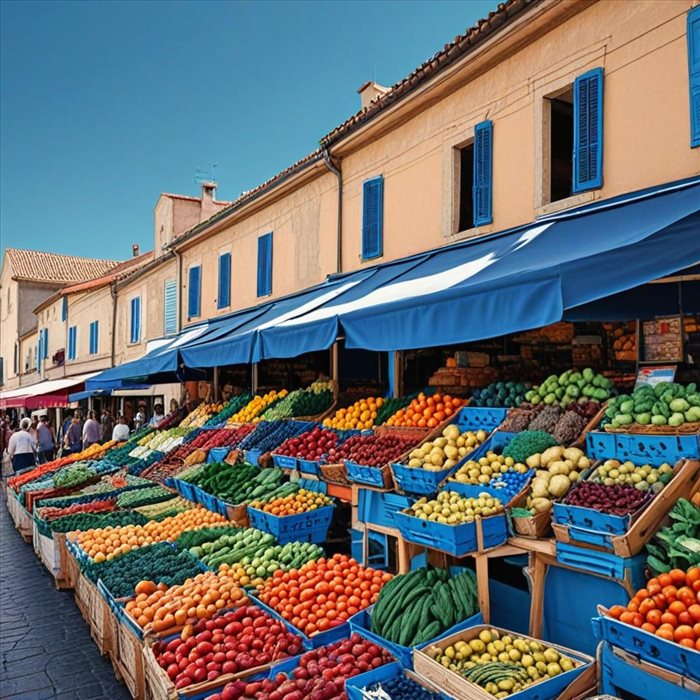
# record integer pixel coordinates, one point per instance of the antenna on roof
(202, 177)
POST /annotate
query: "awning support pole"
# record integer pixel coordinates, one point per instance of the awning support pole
(215, 381)
(254, 378)
(335, 369)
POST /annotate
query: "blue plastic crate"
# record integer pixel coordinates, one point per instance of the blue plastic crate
(362, 624)
(303, 527)
(313, 485)
(218, 454)
(620, 677)
(505, 495)
(642, 449)
(648, 647)
(377, 541)
(285, 462)
(480, 418)
(308, 466)
(591, 519)
(252, 456)
(379, 507)
(604, 563)
(361, 474)
(457, 540)
(354, 685)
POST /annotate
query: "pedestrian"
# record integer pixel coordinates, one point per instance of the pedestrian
(158, 415)
(107, 424)
(72, 442)
(34, 428)
(46, 440)
(22, 447)
(140, 418)
(121, 430)
(92, 431)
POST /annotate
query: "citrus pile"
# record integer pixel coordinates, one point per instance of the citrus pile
(359, 416)
(256, 406)
(426, 411)
(300, 502)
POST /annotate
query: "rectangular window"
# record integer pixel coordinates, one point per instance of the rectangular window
(465, 165)
(72, 342)
(223, 299)
(194, 292)
(372, 218)
(46, 344)
(265, 265)
(483, 173)
(64, 309)
(588, 131)
(135, 320)
(94, 337)
(561, 145)
(170, 307)
(694, 74)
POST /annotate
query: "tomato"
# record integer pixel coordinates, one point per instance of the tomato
(665, 580)
(669, 619)
(676, 607)
(677, 576)
(654, 617)
(649, 627)
(616, 611)
(664, 634)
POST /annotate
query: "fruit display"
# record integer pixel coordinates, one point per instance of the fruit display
(615, 499)
(53, 512)
(500, 394)
(302, 501)
(230, 409)
(116, 482)
(451, 508)
(160, 609)
(426, 411)
(400, 687)
(447, 450)
(371, 450)
(74, 475)
(323, 593)
(558, 468)
(107, 543)
(302, 402)
(389, 407)
(359, 416)
(165, 509)
(501, 663)
(416, 607)
(486, 468)
(144, 497)
(571, 386)
(625, 342)
(268, 435)
(17, 481)
(252, 410)
(201, 414)
(312, 445)
(676, 546)
(664, 404)
(233, 641)
(96, 519)
(644, 478)
(667, 607)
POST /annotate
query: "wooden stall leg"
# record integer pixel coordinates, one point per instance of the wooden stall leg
(538, 569)
(482, 582)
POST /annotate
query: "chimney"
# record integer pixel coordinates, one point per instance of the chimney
(208, 207)
(135, 250)
(371, 91)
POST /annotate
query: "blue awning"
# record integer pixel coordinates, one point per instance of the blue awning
(80, 395)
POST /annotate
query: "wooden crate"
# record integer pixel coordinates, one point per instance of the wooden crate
(130, 661)
(83, 594)
(64, 579)
(24, 523)
(71, 567)
(100, 627)
(50, 556)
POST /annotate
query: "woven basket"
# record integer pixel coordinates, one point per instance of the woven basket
(636, 429)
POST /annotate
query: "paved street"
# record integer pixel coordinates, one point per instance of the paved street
(45, 646)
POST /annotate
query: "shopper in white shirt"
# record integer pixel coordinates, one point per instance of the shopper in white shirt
(121, 430)
(22, 447)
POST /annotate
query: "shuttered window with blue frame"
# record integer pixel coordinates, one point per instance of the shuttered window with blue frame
(72, 342)
(373, 218)
(194, 292)
(64, 309)
(170, 307)
(588, 131)
(45, 354)
(483, 173)
(94, 337)
(223, 298)
(135, 317)
(694, 74)
(265, 265)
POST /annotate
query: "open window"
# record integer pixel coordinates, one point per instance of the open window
(464, 164)
(561, 144)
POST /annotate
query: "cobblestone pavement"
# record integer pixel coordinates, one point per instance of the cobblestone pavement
(45, 646)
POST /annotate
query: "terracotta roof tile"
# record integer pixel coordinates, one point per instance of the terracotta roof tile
(39, 266)
(118, 272)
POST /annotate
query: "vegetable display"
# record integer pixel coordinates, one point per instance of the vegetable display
(451, 508)
(426, 411)
(165, 509)
(359, 416)
(644, 477)
(571, 386)
(230, 408)
(252, 410)
(500, 394)
(94, 520)
(302, 402)
(53, 512)
(200, 415)
(527, 443)
(483, 470)
(446, 451)
(565, 424)
(302, 501)
(74, 475)
(144, 497)
(371, 450)
(668, 607)
(401, 687)
(268, 435)
(676, 546)
(416, 607)
(233, 547)
(664, 404)
(389, 407)
(311, 445)
(617, 499)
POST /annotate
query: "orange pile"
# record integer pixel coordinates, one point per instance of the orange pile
(300, 502)
(159, 609)
(426, 411)
(360, 416)
(323, 593)
(669, 607)
(104, 544)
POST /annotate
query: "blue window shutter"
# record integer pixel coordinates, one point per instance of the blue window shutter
(64, 309)
(372, 218)
(135, 332)
(46, 343)
(194, 292)
(694, 74)
(71, 342)
(40, 349)
(265, 265)
(94, 337)
(588, 131)
(483, 173)
(224, 295)
(170, 307)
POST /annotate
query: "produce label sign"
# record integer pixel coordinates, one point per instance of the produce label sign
(651, 376)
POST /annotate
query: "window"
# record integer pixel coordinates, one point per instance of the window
(372, 218)
(483, 173)
(94, 337)
(265, 265)
(223, 298)
(561, 144)
(694, 74)
(64, 309)
(45, 334)
(588, 131)
(72, 342)
(135, 320)
(464, 162)
(194, 292)
(170, 307)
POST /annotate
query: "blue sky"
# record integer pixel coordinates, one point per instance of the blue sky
(106, 104)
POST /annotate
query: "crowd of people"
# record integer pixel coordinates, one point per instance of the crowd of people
(26, 442)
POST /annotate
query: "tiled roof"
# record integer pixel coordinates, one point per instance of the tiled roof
(39, 266)
(451, 52)
(118, 272)
(189, 197)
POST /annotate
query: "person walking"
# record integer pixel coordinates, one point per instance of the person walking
(22, 447)
(92, 431)
(46, 440)
(121, 430)
(107, 425)
(72, 442)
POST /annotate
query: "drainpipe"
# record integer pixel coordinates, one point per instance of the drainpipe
(178, 277)
(113, 292)
(336, 171)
